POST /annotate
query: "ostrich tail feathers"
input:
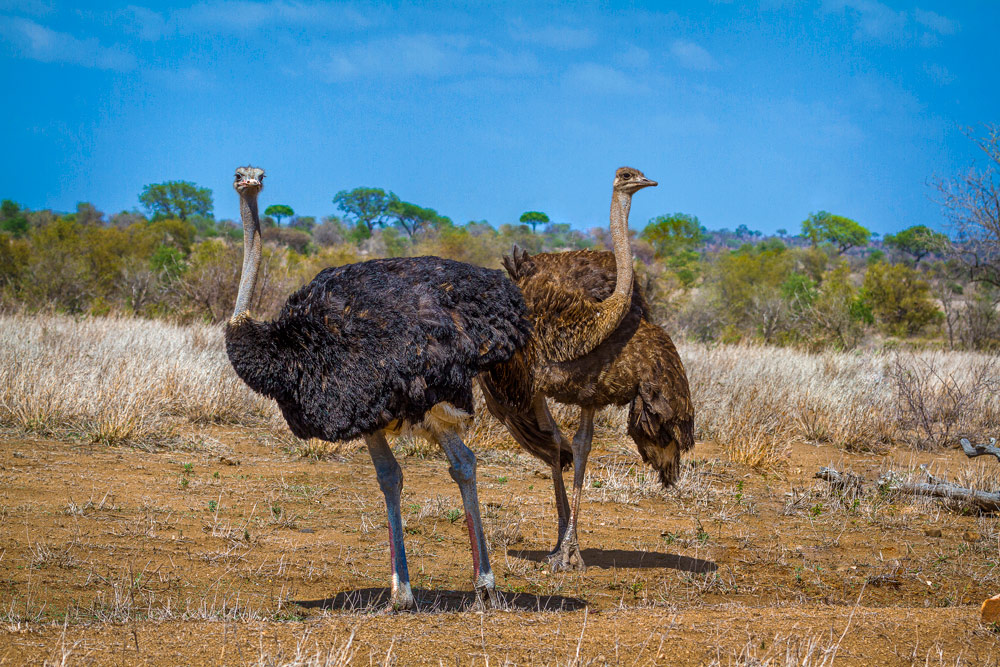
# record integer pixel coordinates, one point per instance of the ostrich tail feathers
(661, 435)
(524, 427)
(511, 383)
(518, 264)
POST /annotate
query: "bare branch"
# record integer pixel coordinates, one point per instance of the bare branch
(984, 501)
(972, 203)
(847, 483)
(972, 451)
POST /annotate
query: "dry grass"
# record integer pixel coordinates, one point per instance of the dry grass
(754, 399)
(128, 381)
(118, 381)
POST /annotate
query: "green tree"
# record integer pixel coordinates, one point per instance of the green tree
(12, 219)
(899, 298)
(87, 214)
(842, 232)
(675, 239)
(747, 285)
(414, 219)
(176, 199)
(14, 256)
(672, 234)
(918, 241)
(303, 222)
(838, 314)
(533, 218)
(367, 208)
(279, 211)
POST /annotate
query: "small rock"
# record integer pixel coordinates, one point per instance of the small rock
(970, 536)
(228, 461)
(991, 610)
(306, 530)
(932, 532)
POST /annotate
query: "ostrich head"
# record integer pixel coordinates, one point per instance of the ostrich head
(630, 180)
(248, 180)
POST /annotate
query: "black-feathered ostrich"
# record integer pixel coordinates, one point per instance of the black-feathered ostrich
(378, 346)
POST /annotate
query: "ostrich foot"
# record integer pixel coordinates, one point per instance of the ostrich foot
(567, 558)
(402, 600)
(560, 538)
(487, 593)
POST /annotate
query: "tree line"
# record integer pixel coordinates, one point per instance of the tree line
(832, 284)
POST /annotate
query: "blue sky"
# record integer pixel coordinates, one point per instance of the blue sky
(746, 113)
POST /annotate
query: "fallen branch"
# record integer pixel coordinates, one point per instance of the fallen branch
(984, 501)
(972, 451)
(847, 483)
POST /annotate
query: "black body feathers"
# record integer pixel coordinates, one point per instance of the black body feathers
(367, 344)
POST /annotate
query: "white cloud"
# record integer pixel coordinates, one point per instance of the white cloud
(557, 37)
(631, 56)
(877, 21)
(939, 24)
(37, 42)
(145, 23)
(422, 55)
(27, 7)
(692, 56)
(596, 78)
(182, 78)
(247, 15)
(939, 74)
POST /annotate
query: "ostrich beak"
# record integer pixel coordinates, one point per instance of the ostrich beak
(646, 183)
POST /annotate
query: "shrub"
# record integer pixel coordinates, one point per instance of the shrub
(899, 298)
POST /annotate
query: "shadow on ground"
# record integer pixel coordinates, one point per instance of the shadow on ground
(374, 599)
(609, 558)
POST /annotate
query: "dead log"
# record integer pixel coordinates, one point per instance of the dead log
(972, 451)
(848, 484)
(984, 501)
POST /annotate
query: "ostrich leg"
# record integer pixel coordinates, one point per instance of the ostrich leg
(548, 424)
(569, 557)
(390, 479)
(463, 471)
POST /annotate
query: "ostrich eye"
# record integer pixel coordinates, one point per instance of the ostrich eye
(238, 177)
(626, 176)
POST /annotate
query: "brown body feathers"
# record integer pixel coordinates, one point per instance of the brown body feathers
(637, 364)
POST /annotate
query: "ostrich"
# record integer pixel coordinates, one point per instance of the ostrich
(382, 346)
(593, 345)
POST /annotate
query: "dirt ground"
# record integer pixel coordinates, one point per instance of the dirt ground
(230, 548)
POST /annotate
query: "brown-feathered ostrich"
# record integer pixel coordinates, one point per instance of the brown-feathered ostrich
(380, 346)
(593, 345)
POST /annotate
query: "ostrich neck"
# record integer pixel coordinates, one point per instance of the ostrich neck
(621, 203)
(251, 255)
(614, 308)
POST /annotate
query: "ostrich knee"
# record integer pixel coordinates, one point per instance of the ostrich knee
(463, 466)
(390, 477)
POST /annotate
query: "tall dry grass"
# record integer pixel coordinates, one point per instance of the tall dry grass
(754, 400)
(131, 381)
(118, 380)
